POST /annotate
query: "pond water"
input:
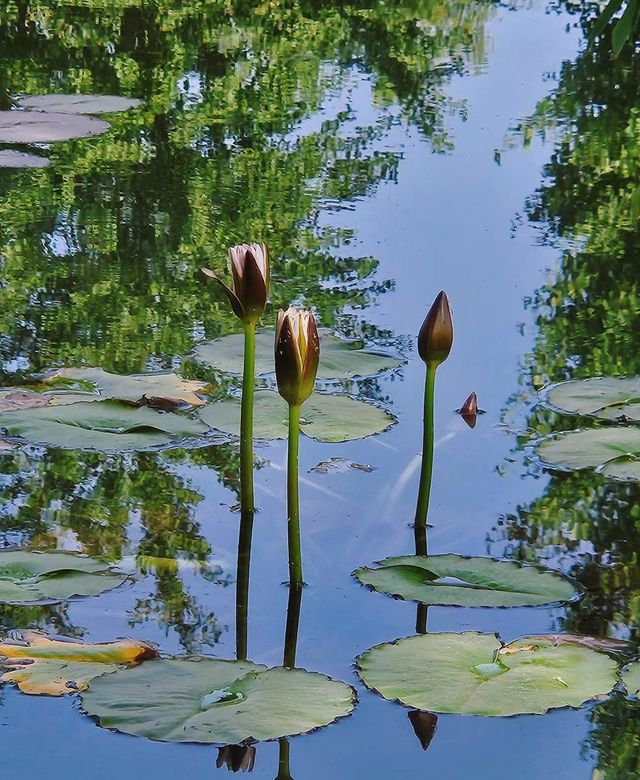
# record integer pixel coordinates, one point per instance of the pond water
(384, 154)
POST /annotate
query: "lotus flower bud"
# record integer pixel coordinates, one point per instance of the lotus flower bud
(469, 410)
(237, 758)
(249, 266)
(297, 351)
(436, 334)
(425, 725)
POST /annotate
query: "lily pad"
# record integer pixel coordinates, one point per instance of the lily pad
(607, 397)
(10, 158)
(612, 451)
(339, 358)
(162, 385)
(331, 418)
(208, 700)
(78, 104)
(475, 674)
(27, 577)
(454, 580)
(631, 678)
(50, 666)
(27, 127)
(106, 426)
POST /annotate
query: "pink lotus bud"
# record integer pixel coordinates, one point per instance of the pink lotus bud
(249, 266)
(297, 351)
(436, 334)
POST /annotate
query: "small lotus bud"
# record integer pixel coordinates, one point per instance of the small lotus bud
(469, 410)
(425, 725)
(297, 351)
(436, 334)
(249, 266)
(237, 758)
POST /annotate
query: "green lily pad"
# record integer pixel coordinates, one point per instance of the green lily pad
(454, 580)
(43, 127)
(213, 701)
(631, 678)
(27, 576)
(607, 397)
(339, 358)
(106, 426)
(612, 451)
(10, 158)
(474, 674)
(133, 387)
(331, 418)
(78, 104)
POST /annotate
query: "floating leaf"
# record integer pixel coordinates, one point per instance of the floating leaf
(607, 397)
(631, 678)
(473, 674)
(27, 576)
(39, 664)
(209, 700)
(614, 451)
(339, 358)
(106, 426)
(340, 465)
(454, 580)
(324, 417)
(10, 158)
(28, 127)
(78, 104)
(135, 387)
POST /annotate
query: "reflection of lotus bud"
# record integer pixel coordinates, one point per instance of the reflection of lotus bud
(237, 758)
(297, 353)
(249, 265)
(436, 334)
(469, 410)
(425, 725)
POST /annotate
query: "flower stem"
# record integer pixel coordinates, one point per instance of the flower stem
(291, 630)
(284, 772)
(293, 504)
(422, 509)
(242, 584)
(246, 419)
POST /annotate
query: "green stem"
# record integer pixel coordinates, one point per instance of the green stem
(422, 509)
(421, 619)
(242, 584)
(246, 419)
(284, 773)
(293, 504)
(293, 623)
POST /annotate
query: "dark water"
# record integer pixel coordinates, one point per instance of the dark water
(384, 154)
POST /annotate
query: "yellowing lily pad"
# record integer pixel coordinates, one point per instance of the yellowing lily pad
(475, 674)
(27, 577)
(78, 104)
(607, 397)
(202, 699)
(42, 127)
(42, 665)
(331, 418)
(339, 358)
(106, 426)
(455, 580)
(613, 451)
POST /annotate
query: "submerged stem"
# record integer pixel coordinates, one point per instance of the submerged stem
(246, 419)
(242, 584)
(293, 504)
(426, 471)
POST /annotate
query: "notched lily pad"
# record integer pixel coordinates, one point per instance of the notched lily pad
(612, 451)
(455, 580)
(202, 699)
(475, 674)
(28, 127)
(54, 666)
(331, 418)
(78, 104)
(10, 158)
(607, 397)
(27, 577)
(339, 358)
(105, 426)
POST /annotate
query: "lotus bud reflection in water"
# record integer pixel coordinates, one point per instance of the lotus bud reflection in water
(237, 758)
(436, 334)
(424, 725)
(249, 266)
(469, 410)
(297, 352)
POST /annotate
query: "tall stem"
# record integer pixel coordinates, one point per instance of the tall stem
(293, 504)
(291, 630)
(246, 419)
(424, 493)
(284, 772)
(242, 584)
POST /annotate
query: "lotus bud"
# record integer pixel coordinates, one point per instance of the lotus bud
(469, 410)
(237, 758)
(436, 334)
(425, 725)
(297, 351)
(249, 267)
